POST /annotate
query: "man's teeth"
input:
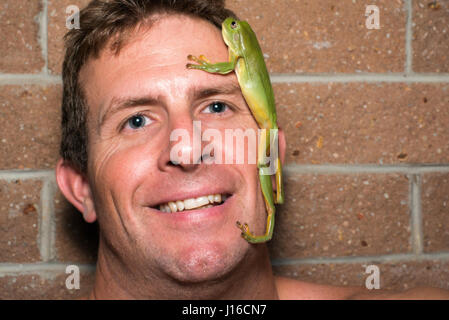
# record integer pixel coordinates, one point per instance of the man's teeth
(181, 205)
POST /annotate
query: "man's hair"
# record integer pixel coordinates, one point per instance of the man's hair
(109, 23)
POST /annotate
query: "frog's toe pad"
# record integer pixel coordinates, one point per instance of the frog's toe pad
(244, 227)
(204, 59)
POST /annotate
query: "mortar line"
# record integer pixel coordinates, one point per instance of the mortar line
(409, 37)
(43, 34)
(400, 257)
(22, 268)
(292, 169)
(45, 221)
(45, 79)
(29, 79)
(362, 77)
(416, 217)
(11, 175)
(36, 268)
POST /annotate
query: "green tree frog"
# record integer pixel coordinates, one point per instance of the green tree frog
(246, 58)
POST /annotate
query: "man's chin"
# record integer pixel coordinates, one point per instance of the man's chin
(206, 262)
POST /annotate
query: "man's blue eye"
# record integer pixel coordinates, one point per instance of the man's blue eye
(137, 121)
(216, 107)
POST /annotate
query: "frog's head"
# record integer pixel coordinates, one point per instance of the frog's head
(231, 30)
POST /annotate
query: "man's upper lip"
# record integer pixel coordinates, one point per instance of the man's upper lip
(188, 194)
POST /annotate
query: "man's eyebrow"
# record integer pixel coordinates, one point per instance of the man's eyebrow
(206, 92)
(120, 103)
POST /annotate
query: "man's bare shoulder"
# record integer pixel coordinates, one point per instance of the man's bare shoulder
(291, 289)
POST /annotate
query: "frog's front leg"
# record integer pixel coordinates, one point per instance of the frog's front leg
(205, 65)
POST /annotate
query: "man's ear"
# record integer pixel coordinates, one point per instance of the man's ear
(75, 187)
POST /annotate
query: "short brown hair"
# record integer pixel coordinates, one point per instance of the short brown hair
(100, 22)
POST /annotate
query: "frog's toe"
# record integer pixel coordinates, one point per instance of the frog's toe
(244, 227)
(246, 237)
(204, 59)
(200, 59)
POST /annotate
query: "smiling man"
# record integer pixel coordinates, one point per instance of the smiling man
(126, 89)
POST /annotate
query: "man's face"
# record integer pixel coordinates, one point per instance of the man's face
(136, 100)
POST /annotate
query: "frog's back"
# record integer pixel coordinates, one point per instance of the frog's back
(254, 80)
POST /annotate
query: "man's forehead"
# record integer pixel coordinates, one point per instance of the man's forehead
(158, 54)
(161, 35)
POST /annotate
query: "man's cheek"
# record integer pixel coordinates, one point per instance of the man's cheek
(116, 158)
(100, 161)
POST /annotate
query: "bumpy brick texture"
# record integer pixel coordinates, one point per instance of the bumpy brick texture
(326, 36)
(435, 211)
(364, 123)
(431, 36)
(30, 122)
(396, 276)
(19, 220)
(20, 49)
(47, 285)
(338, 215)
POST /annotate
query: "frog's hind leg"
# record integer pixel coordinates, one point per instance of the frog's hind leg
(267, 191)
(279, 182)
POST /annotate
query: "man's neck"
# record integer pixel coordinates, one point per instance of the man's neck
(251, 279)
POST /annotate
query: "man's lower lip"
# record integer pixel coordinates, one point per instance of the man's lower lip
(203, 209)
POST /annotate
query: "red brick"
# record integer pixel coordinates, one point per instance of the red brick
(431, 36)
(20, 49)
(326, 36)
(44, 286)
(435, 211)
(364, 123)
(19, 220)
(30, 122)
(342, 215)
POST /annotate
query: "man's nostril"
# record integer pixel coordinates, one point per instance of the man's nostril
(173, 163)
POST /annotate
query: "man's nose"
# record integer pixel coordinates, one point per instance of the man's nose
(184, 146)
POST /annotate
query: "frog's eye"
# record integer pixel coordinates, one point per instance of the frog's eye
(233, 24)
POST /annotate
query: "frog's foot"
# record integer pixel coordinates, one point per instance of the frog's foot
(201, 60)
(205, 65)
(250, 237)
(246, 234)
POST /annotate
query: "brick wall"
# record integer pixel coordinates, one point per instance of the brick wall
(365, 112)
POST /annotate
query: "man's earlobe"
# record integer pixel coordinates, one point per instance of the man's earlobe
(75, 187)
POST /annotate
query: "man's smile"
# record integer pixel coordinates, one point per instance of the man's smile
(201, 215)
(193, 203)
